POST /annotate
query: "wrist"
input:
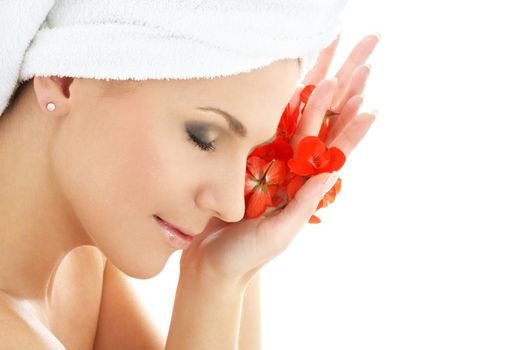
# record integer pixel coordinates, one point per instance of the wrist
(207, 279)
(200, 271)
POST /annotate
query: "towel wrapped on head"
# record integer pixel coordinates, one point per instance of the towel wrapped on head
(164, 39)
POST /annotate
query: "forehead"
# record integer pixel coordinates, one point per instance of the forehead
(262, 82)
(257, 98)
(259, 94)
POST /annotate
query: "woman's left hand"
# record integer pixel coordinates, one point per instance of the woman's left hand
(236, 251)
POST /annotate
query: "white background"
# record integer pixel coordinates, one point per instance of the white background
(424, 246)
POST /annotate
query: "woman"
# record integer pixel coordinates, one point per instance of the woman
(94, 171)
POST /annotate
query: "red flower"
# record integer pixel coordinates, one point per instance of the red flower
(305, 94)
(313, 158)
(261, 184)
(275, 174)
(288, 123)
(277, 149)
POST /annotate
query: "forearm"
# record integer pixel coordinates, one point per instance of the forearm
(206, 314)
(250, 328)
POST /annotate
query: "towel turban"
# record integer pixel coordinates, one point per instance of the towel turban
(163, 39)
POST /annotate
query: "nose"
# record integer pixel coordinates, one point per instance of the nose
(223, 193)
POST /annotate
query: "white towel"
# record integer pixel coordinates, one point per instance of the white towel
(168, 39)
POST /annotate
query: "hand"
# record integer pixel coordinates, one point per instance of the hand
(238, 250)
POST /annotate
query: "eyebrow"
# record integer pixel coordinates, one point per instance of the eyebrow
(233, 123)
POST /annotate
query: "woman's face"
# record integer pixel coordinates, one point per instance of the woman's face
(125, 153)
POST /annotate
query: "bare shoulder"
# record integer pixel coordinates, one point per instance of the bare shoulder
(19, 330)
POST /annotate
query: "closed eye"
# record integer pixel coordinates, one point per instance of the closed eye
(205, 146)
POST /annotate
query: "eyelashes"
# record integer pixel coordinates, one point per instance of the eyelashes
(204, 146)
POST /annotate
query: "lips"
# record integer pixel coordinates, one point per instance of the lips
(171, 227)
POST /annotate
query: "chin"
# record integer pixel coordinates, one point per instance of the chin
(146, 267)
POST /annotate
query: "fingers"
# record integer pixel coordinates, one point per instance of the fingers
(279, 230)
(358, 56)
(351, 78)
(323, 62)
(351, 101)
(353, 132)
(345, 133)
(355, 87)
(346, 73)
(319, 102)
(339, 122)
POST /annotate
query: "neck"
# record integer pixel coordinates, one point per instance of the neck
(37, 226)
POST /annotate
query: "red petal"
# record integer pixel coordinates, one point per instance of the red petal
(257, 203)
(330, 196)
(282, 149)
(320, 162)
(336, 160)
(255, 165)
(324, 130)
(284, 121)
(272, 189)
(300, 167)
(277, 172)
(288, 122)
(306, 92)
(265, 152)
(322, 204)
(314, 219)
(338, 185)
(294, 185)
(310, 146)
(250, 183)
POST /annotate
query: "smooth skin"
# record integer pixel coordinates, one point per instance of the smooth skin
(75, 154)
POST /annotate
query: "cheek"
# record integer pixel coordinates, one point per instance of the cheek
(108, 171)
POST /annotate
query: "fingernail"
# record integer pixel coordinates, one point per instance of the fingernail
(334, 80)
(375, 112)
(378, 35)
(327, 185)
(368, 65)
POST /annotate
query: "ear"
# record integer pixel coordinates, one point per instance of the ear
(53, 89)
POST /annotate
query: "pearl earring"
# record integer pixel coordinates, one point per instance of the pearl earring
(51, 106)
